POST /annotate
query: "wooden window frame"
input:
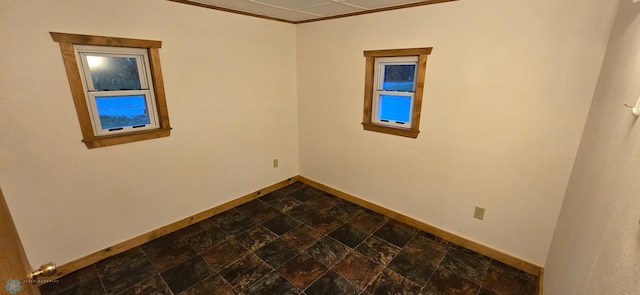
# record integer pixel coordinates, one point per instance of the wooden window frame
(67, 42)
(370, 72)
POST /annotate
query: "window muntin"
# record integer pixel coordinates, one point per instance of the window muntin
(393, 88)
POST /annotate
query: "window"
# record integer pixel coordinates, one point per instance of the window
(117, 88)
(394, 83)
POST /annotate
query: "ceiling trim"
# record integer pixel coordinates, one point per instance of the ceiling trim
(421, 3)
(231, 10)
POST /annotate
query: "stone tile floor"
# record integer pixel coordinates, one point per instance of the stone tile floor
(297, 240)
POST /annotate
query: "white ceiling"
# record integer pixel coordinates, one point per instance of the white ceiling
(306, 10)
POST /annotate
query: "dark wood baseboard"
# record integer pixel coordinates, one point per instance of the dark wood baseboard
(154, 234)
(90, 259)
(518, 263)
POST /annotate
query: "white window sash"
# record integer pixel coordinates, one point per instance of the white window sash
(95, 117)
(380, 63)
(376, 108)
(141, 56)
(144, 70)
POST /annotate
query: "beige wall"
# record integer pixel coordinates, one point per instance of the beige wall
(595, 248)
(509, 86)
(508, 89)
(231, 89)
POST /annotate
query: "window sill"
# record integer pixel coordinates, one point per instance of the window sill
(390, 130)
(102, 141)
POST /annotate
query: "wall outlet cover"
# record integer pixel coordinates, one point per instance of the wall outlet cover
(479, 213)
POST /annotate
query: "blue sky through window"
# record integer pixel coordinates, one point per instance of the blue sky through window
(394, 108)
(122, 111)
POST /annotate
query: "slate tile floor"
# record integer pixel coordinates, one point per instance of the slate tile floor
(297, 240)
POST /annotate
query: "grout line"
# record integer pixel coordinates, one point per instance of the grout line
(439, 263)
(95, 268)
(167, 285)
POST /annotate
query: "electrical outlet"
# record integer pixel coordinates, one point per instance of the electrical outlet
(275, 163)
(479, 213)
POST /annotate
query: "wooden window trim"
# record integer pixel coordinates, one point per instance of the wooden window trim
(370, 56)
(67, 41)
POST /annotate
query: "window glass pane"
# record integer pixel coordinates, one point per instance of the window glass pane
(394, 108)
(114, 73)
(122, 111)
(399, 77)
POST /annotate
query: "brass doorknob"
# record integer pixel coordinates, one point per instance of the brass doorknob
(45, 270)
